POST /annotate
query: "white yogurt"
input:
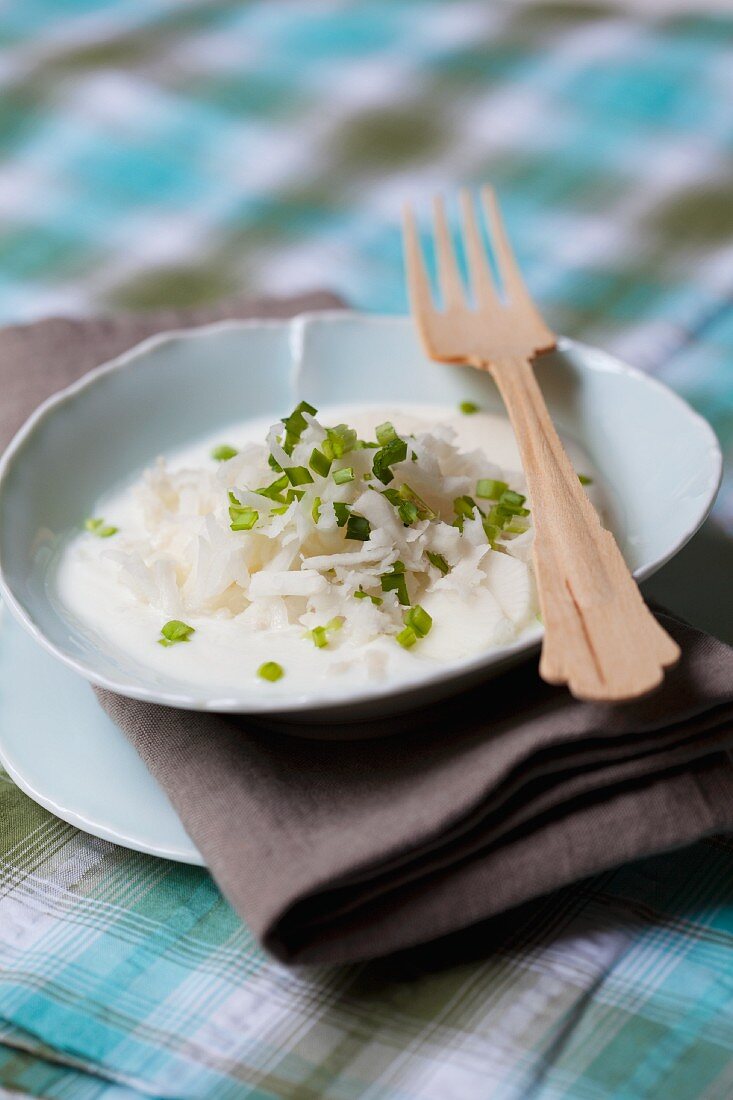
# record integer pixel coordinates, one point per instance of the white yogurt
(225, 652)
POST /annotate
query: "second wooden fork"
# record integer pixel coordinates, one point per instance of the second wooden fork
(600, 637)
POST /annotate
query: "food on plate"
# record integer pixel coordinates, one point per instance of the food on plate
(364, 543)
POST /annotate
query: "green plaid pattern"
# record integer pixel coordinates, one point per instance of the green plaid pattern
(173, 151)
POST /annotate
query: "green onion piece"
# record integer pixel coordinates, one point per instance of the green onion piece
(395, 451)
(362, 595)
(273, 463)
(336, 623)
(418, 618)
(464, 506)
(224, 453)
(342, 513)
(319, 462)
(175, 631)
(280, 510)
(316, 510)
(499, 516)
(100, 529)
(468, 407)
(298, 475)
(424, 510)
(491, 530)
(365, 445)
(358, 527)
(489, 489)
(295, 425)
(395, 582)
(242, 517)
(294, 494)
(318, 636)
(439, 562)
(406, 637)
(517, 526)
(343, 476)
(275, 490)
(584, 479)
(339, 441)
(392, 496)
(271, 671)
(385, 433)
(510, 499)
(407, 512)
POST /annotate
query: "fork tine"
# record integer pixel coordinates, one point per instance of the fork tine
(418, 283)
(482, 280)
(451, 284)
(513, 283)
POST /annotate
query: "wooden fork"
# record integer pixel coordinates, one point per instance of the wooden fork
(600, 637)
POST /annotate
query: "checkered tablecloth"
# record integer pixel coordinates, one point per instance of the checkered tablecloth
(173, 151)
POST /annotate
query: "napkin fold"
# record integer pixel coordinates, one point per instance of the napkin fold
(334, 851)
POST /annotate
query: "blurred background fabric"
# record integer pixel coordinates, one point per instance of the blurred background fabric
(174, 152)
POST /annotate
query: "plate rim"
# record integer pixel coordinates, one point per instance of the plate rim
(306, 703)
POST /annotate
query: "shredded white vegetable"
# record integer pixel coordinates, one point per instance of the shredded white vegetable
(304, 550)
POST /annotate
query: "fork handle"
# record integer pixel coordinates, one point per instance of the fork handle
(600, 637)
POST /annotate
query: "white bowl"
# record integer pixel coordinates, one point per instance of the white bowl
(660, 465)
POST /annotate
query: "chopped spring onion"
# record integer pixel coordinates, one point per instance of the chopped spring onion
(395, 582)
(99, 528)
(360, 594)
(468, 407)
(439, 562)
(295, 425)
(464, 506)
(319, 634)
(511, 500)
(319, 463)
(407, 512)
(298, 475)
(316, 510)
(344, 476)
(271, 671)
(491, 530)
(365, 445)
(385, 433)
(175, 631)
(499, 516)
(275, 490)
(273, 463)
(489, 489)
(406, 637)
(242, 517)
(418, 619)
(339, 441)
(393, 452)
(584, 479)
(424, 510)
(342, 513)
(224, 453)
(517, 526)
(358, 527)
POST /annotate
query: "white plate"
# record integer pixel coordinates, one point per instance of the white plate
(60, 747)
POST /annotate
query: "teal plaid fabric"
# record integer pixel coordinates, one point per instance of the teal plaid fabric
(174, 151)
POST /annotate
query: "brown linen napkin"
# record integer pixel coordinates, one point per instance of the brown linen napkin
(335, 851)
